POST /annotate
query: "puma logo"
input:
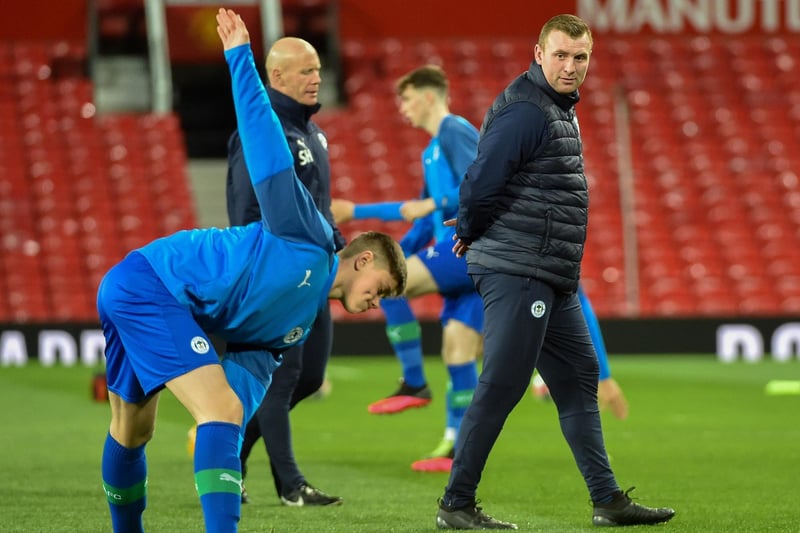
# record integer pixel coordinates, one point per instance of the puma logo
(227, 477)
(393, 334)
(305, 282)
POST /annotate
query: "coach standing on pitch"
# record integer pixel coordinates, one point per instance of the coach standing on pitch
(522, 215)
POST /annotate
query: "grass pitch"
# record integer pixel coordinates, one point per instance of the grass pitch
(702, 437)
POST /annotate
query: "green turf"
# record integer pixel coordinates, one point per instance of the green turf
(702, 437)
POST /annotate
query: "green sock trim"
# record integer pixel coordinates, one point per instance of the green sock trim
(118, 496)
(462, 398)
(218, 480)
(404, 332)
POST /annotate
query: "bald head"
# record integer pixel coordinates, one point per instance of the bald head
(293, 68)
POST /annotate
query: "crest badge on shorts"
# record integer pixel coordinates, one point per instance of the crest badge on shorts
(200, 345)
(538, 309)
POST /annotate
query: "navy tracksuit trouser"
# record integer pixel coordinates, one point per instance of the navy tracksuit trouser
(528, 325)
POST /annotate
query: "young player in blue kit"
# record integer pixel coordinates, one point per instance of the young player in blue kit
(423, 96)
(261, 283)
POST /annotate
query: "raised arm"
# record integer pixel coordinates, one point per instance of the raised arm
(287, 209)
(258, 125)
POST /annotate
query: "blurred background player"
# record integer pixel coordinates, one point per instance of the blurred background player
(609, 393)
(423, 95)
(293, 72)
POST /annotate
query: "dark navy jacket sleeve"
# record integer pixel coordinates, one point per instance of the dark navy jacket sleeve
(241, 198)
(508, 141)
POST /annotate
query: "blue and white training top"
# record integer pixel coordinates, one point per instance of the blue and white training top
(444, 161)
(265, 282)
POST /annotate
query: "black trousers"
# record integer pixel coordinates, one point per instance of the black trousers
(527, 326)
(300, 375)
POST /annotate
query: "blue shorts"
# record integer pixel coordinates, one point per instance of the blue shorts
(466, 308)
(150, 337)
(461, 301)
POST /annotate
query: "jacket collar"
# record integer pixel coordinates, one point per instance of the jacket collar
(564, 101)
(290, 109)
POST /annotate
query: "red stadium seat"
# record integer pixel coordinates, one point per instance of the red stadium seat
(62, 170)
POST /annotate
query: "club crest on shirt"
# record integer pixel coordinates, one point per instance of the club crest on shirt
(322, 140)
(538, 309)
(293, 336)
(200, 345)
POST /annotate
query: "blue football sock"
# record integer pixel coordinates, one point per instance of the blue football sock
(218, 475)
(124, 473)
(404, 334)
(463, 380)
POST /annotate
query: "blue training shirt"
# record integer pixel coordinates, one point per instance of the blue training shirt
(265, 282)
(444, 161)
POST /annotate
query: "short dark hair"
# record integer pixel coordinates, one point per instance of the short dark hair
(388, 255)
(427, 76)
(571, 25)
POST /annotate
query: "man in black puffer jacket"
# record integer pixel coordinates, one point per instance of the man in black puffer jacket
(522, 218)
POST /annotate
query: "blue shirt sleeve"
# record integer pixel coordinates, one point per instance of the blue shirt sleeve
(508, 141)
(386, 211)
(287, 208)
(420, 233)
(418, 236)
